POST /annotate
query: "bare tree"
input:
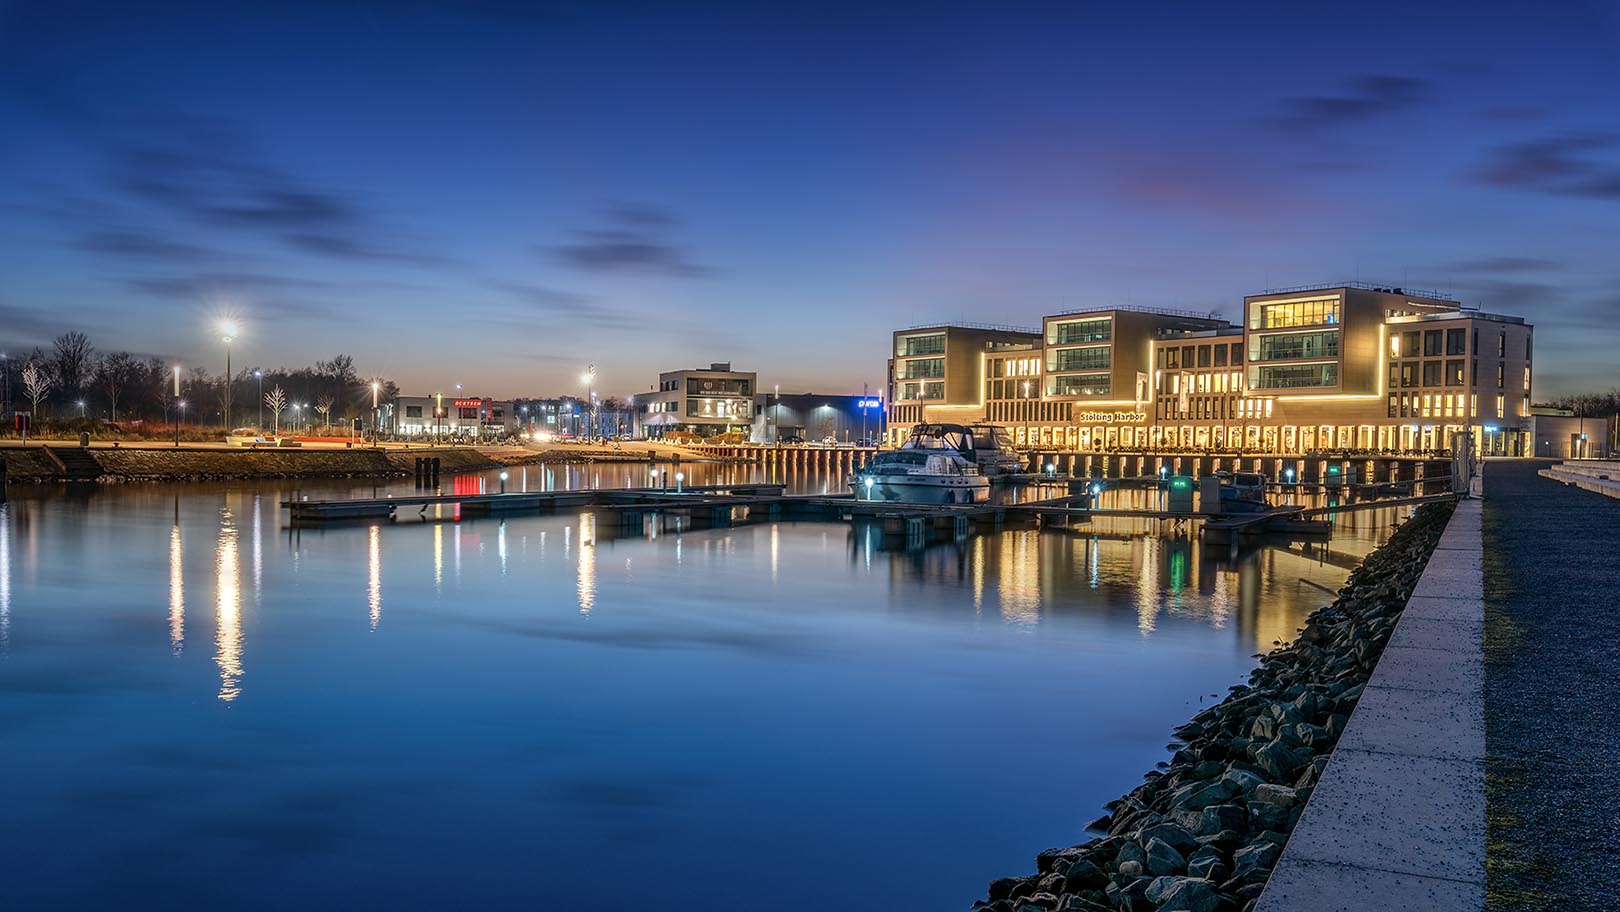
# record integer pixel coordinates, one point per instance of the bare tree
(323, 407)
(115, 372)
(276, 400)
(37, 382)
(72, 361)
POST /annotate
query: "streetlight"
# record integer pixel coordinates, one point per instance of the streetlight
(375, 389)
(679, 477)
(227, 332)
(503, 481)
(81, 408)
(259, 375)
(182, 405)
(589, 379)
(776, 421)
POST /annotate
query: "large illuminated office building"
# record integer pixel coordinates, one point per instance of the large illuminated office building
(1350, 368)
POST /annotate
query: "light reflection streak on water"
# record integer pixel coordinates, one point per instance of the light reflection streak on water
(455, 550)
(1147, 593)
(5, 578)
(500, 545)
(978, 574)
(776, 543)
(228, 609)
(177, 587)
(1020, 590)
(586, 564)
(374, 573)
(438, 558)
(258, 554)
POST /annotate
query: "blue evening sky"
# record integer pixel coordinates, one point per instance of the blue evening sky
(495, 193)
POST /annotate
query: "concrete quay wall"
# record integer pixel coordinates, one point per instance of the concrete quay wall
(1398, 819)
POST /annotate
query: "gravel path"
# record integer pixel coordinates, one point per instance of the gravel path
(1552, 692)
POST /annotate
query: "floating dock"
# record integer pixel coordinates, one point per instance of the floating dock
(726, 505)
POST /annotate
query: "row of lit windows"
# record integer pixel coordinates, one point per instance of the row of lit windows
(1015, 367)
(933, 344)
(1282, 315)
(1222, 382)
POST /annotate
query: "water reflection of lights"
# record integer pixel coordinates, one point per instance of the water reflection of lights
(258, 555)
(374, 568)
(1019, 579)
(586, 564)
(776, 544)
(177, 588)
(227, 609)
(500, 545)
(5, 577)
(438, 558)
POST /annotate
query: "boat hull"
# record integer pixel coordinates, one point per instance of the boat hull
(959, 489)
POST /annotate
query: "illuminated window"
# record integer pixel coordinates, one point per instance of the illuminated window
(1079, 331)
(1097, 357)
(923, 345)
(1281, 315)
(1293, 376)
(1501, 405)
(1283, 346)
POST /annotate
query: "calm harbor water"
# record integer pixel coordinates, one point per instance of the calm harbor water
(203, 707)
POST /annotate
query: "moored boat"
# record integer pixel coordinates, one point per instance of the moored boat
(987, 446)
(920, 476)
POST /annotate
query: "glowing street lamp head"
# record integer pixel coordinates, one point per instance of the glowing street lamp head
(228, 329)
(375, 386)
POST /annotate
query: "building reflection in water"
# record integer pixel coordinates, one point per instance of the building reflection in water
(586, 564)
(1263, 594)
(374, 570)
(228, 609)
(177, 585)
(1018, 585)
(5, 578)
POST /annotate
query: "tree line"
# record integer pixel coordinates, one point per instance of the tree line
(72, 378)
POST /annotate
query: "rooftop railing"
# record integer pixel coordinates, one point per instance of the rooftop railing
(1140, 308)
(963, 324)
(1366, 286)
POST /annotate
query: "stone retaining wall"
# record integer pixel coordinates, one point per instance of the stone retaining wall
(31, 464)
(1205, 834)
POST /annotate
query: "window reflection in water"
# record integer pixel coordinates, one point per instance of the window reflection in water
(228, 609)
(177, 586)
(5, 578)
(438, 557)
(586, 563)
(374, 569)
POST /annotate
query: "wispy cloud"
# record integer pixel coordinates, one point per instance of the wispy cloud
(634, 240)
(1570, 164)
(1365, 98)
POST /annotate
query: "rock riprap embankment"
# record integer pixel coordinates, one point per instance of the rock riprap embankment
(1203, 834)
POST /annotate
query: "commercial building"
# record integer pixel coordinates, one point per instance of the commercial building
(457, 416)
(1561, 434)
(812, 418)
(1350, 367)
(704, 401)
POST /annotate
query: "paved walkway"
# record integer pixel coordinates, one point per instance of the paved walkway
(1552, 692)
(1397, 823)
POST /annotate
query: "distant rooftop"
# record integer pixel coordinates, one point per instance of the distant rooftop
(961, 324)
(1366, 286)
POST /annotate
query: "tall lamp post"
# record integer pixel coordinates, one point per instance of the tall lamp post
(376, 388)
(259, 375)
(227, 331)
(589, 379)
(776, 418)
